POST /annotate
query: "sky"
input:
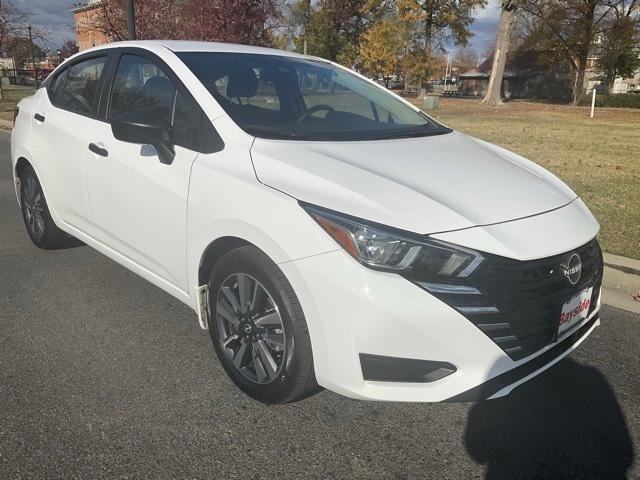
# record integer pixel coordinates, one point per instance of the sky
(484, 27)
(53, 16)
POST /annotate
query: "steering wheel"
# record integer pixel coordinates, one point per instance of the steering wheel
(314, 109)
(83, 101)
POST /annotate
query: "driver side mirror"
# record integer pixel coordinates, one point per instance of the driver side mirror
(146, 129)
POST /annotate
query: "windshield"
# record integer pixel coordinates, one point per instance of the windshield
(282, 97)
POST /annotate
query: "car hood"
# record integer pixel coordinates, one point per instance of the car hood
(425, 185)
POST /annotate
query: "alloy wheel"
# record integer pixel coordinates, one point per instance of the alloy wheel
(250, 328)
(33, 207)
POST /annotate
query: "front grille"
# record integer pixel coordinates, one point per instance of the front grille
(518, 303)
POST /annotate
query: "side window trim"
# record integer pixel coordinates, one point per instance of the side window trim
(109, 78)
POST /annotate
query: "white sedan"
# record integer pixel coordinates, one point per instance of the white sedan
(325, 231)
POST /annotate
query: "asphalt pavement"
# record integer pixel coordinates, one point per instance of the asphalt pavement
(103, 375)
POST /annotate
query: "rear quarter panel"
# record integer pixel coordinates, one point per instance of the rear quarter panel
(21, 133)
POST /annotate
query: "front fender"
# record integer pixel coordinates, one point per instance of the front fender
(227, 200)
(292, 235)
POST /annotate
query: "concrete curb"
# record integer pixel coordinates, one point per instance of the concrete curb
(621, 282)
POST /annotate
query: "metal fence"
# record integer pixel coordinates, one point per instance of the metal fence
(24, 76)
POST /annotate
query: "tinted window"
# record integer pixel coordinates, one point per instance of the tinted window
(297, 98)
(184, 118)
(80, 90)
(56, 86)
(265, 95)
(142, 86)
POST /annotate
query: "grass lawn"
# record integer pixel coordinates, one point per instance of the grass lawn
(599, 158)
(12, 95)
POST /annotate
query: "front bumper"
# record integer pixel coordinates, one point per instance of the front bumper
(503, 384)
(352, 310)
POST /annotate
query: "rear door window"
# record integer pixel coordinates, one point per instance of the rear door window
(80, 87)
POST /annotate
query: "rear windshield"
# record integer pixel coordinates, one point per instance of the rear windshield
(281, 97)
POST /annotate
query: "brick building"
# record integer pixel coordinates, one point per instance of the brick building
(86, 34)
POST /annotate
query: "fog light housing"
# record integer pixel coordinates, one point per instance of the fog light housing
(391, 369)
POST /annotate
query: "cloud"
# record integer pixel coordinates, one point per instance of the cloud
(484, 27)
(492, 10)
(53, 18)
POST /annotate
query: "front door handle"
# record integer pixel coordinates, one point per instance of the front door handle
(98, 150)
(38, 117)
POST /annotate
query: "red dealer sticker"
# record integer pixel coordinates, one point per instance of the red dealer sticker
(575, 310)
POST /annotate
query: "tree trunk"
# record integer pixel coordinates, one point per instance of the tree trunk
(428, 32)
(583, 54)
(503, 37)
(578, 91)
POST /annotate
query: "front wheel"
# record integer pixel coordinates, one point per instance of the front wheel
(258, 328)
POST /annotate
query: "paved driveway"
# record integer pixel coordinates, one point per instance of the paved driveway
(102, 375)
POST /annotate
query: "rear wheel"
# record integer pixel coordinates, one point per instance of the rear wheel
(258, 328)
(37, 219)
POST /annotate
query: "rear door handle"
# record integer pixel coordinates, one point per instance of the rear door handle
(98, 150)
(39, 117)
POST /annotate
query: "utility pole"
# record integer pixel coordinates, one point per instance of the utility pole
(131, 20)
(307, 15)
(33, 58)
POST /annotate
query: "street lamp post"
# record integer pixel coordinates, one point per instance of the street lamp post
(131, 20)
(33, 58)
(307, 14)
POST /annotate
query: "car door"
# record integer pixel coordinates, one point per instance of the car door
(65, 116)
(139, 204)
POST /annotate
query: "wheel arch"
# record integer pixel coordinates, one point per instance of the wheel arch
(214, 251)
(18, 169)
(21, 164)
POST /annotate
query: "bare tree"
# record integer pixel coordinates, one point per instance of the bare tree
(620, 42)
(567, 29)
(12, 21)
(503, 37)
(466, 58)
(153, 19)
(239, 21)
(13, 24)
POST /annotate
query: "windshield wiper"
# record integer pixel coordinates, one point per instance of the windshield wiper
(410, 134)
(278, 134)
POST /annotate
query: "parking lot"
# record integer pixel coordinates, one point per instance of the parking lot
(102, 375)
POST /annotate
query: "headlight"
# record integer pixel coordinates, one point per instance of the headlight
(385, 248)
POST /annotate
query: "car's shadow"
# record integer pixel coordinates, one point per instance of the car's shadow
(564, 424)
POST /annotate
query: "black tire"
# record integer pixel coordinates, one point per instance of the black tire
(294, 378)
(42, 230)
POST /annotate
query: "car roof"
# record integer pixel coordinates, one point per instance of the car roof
(194, 46)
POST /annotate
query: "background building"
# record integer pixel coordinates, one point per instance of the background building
(87, 35)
